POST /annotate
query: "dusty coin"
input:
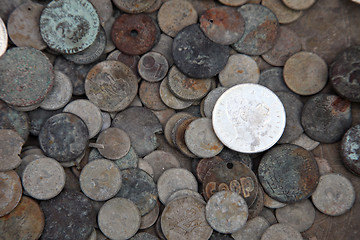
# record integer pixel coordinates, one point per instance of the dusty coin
(149, 93)
(299, 4)
(26, 76)
(261, 122)
(326, 118)
(210, 100)
(170, 99)
(288, 173)
(129, 60)
(269, 215)
(324, 166)
(164, 115)
(161, 161)
(171, 123)
(252, 230)
(134, 34)
(284, 14)
(239, 69)
(119, 218)
(10, 148)
(14, 120)
(281, 232)
(184, 193)
(196, 55)
(261, 30)
(11, 192)
(305, 73)
(43, 178)
(272, 203)
(153, 67)
(3, 38)
(222, 25)
(111, 85)
(136, 6)
(334, 195)
(184, 219)
(163, 46)
(150, 218)
(273, 79)
(258, 205)
(145, 166)
(350, 149)
(226, 212)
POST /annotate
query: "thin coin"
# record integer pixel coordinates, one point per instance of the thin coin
(131, 6)
(171, 123)
(253, 229)
(129, 60)
(38, 118)
(10, 148)
(304, 141)
(11, 192)
(350, 149)
(153, 67)
(204, 165)
(258, 205)
(269, 215)
(281, 232)
(164, 115)
(161, 161)
(144, 236)
(104, 8)
(3, 38)
(14, 120)
(178, 136)
(284, 14)
(272, 203)
(113, 143)
(299, 4)
(170, 99)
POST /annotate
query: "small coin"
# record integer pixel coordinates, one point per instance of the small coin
(134, 34)
(253, 229)
(14, 120)
(208, 59)
(161, 161)
(114, 143)
(150, 218)
(136, 6)
(111, 85)
(233, 3)
(184, 193)
(171, 123)
(281, 231)
(3, 37)
(272, 78)
(223, 25)
(299, 4)
(163, 46)
(286, 185)
(178, 136)
(119, 218)
(170, 99)
(272, 203)
(326, 118)
(149, 93)
(248, 118)
(184, 219)
(10, 148)
(284, 14)
(334, 195)
(153, 67)
(104, 9)
(11, 192)
(43, 178)
(304, 141)
(239, 69)
(350, 149)
(261, 30)
(305, 73)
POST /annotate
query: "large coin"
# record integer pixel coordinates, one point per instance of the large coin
(3, 38)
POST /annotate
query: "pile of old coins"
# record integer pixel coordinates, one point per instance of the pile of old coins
(179, 119)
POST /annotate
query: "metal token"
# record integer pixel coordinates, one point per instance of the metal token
(150, 218)
(26, 221)
(171, 123)
(288, 173)
(161, 161)
(196, 55)
(10, 148)
(104, 9)
(178, 136)
(345, 74)
(106, 120)
(258, 205)
(38, 118)
(293, 107)
(326, 118)
(101, 179)
(175, 15)
(60, 94)
(239, 69)
(210, 100)
(184, 193)
(272, 203)
(26, 76)
(11, 192)
(129, 60)
(134, 34)
(111, 85)
(113, 143)
(284, 14)
(153, 67)
(233, 176)
(334, 195)
(233, 3)
(305, 73)
(299, 215)
(144, 236)
(119, 218)
(92, 53)
(299, 4)
(163, 46)
(63, 137)
(131, 6)
(23, 26)
(306, 142)
(149, 93)
(248, 118)
(350, 149)
(204, 165)
(69, 26)
(15, 120)
(252, 230)
(144, 195)
(43, 178)
(3, 38)
(261, 30)
(175, 179)
(223, 25)
(184, 219)
(170, 99)
(187, 88)
(281, 232)
(272, 78)
(69, 215)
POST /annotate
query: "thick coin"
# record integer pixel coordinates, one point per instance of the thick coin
(284, 14)
(11, 192)
(111, 85)
(14, 120)
(149, 93)
(273, 79)
(26, 76)
(113, 143)
(170, 99)
(150, 218)
(252, 230)
(261, 30)
(350, 149)
(299, 4)
(131, 6)
(197, 56)
(170, 124)
(223, 25)
(164, 47)
(326, 118)
(288, 173)
(69, 26)
(248, 118)
(3, 38)
(153, 67)
(161, 161)
(10, 148)
(281, 232)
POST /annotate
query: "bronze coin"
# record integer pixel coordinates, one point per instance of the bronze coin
(204, 165)
(179, 136)
(153, 67)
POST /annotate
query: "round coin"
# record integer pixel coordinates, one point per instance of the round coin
(284, 14)
(3, 38)
(299, 4)
(153, 67)
(150, 218)
(253, 229)
(248, 118)
(273, 79)
(350, 149)
(10, 148)
(204, 165)
(281, 231)
(115, 142)
(306, 142)
(184, 193)
(161, 161)
(210, 100)
(272, 203)
(163, 46)
(170, 99)
(171, 123)
(233, 3)
(178, 136)
(258, 205)
(133, 6)
(149, 93)
(10, 192)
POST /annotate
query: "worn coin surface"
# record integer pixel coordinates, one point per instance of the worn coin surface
(288, 173)
(149, 93)
(38, 117)
(283, 13)
(204, 165)
(133, 6)
(252, 230)
(304, 141)
(233, 3)
(114, 143)
(3, 37)
(281, 231)
(170, 124)
(104, 8)
(129, 60)
(153, 67)
(164, 47)
(10, 191)
(272, 203)
(178, 136)
(258, 205)
(170, 99)
(10, 148)
(150, 218)
(273, 79)
(144, 236)
(161, 161)
(248, 118)
(184, 193)
(350, 149)
(299, 4)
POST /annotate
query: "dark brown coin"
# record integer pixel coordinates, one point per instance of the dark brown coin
(197, 56)
(233, 176)
(26, 76)
(141, 125)
(69, 215)
(230, 155)
(149, 94)
(64, 137)
(223, 25)
(288, 173)
(15, 120)
(134, 34)
(261, 30)
(204, 165)
(10, 192)
(178, 136)
(170, 124)
(133, 6)
(153, 67)
(350, 149)
(345, 74)
(326, 118)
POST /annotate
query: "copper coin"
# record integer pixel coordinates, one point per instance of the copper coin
(11, 192)
(283, 13)
(223, 25)
(161, 161)
(153, 67)
(233, 176)
(134, 34)
(170, 99)
(149, 94)
(131, 6)
(15, 120)
(204, 165)
(115, 142)
(288, 173)
(178, 136)
(350, 149)
(10, 148)
(253, 229)
(171, 123)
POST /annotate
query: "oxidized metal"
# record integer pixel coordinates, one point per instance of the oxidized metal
(144, 235)
(104, 8)
(178, 136)
(153, 67)
(149, 94)
(161, 161)
(281, 231)
(171, 123)
(258, 205)
(350, 149)
(306, 142)
(149, 219)
(38, 118)
(284, 14)
(10, 148)
(164, 46)
(233, 3)
(229, 155)
(129, 60)
(133, 6)
(184, 193)
(10, 191)
(272, 203)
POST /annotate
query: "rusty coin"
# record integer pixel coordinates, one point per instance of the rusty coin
(15, 120)
(283, 13)
(153, 67)
(149, 94)
(171, 123)
(129, 60)
(350, 149)
(178, 136)
(133, 6)
(10, 148)
(170, 99)
(288, 173)
(160, 161)
(11, 192)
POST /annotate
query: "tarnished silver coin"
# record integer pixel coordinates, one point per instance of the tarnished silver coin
(210, 100)
(253, 229)
(248, 118)
(3, 38)
(170, 99)
(153, 67)
(281, 232)
(10, 148)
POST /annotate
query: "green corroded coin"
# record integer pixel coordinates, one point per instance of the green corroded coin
(69, 26)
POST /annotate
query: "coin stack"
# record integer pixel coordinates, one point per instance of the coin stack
(179, 119)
